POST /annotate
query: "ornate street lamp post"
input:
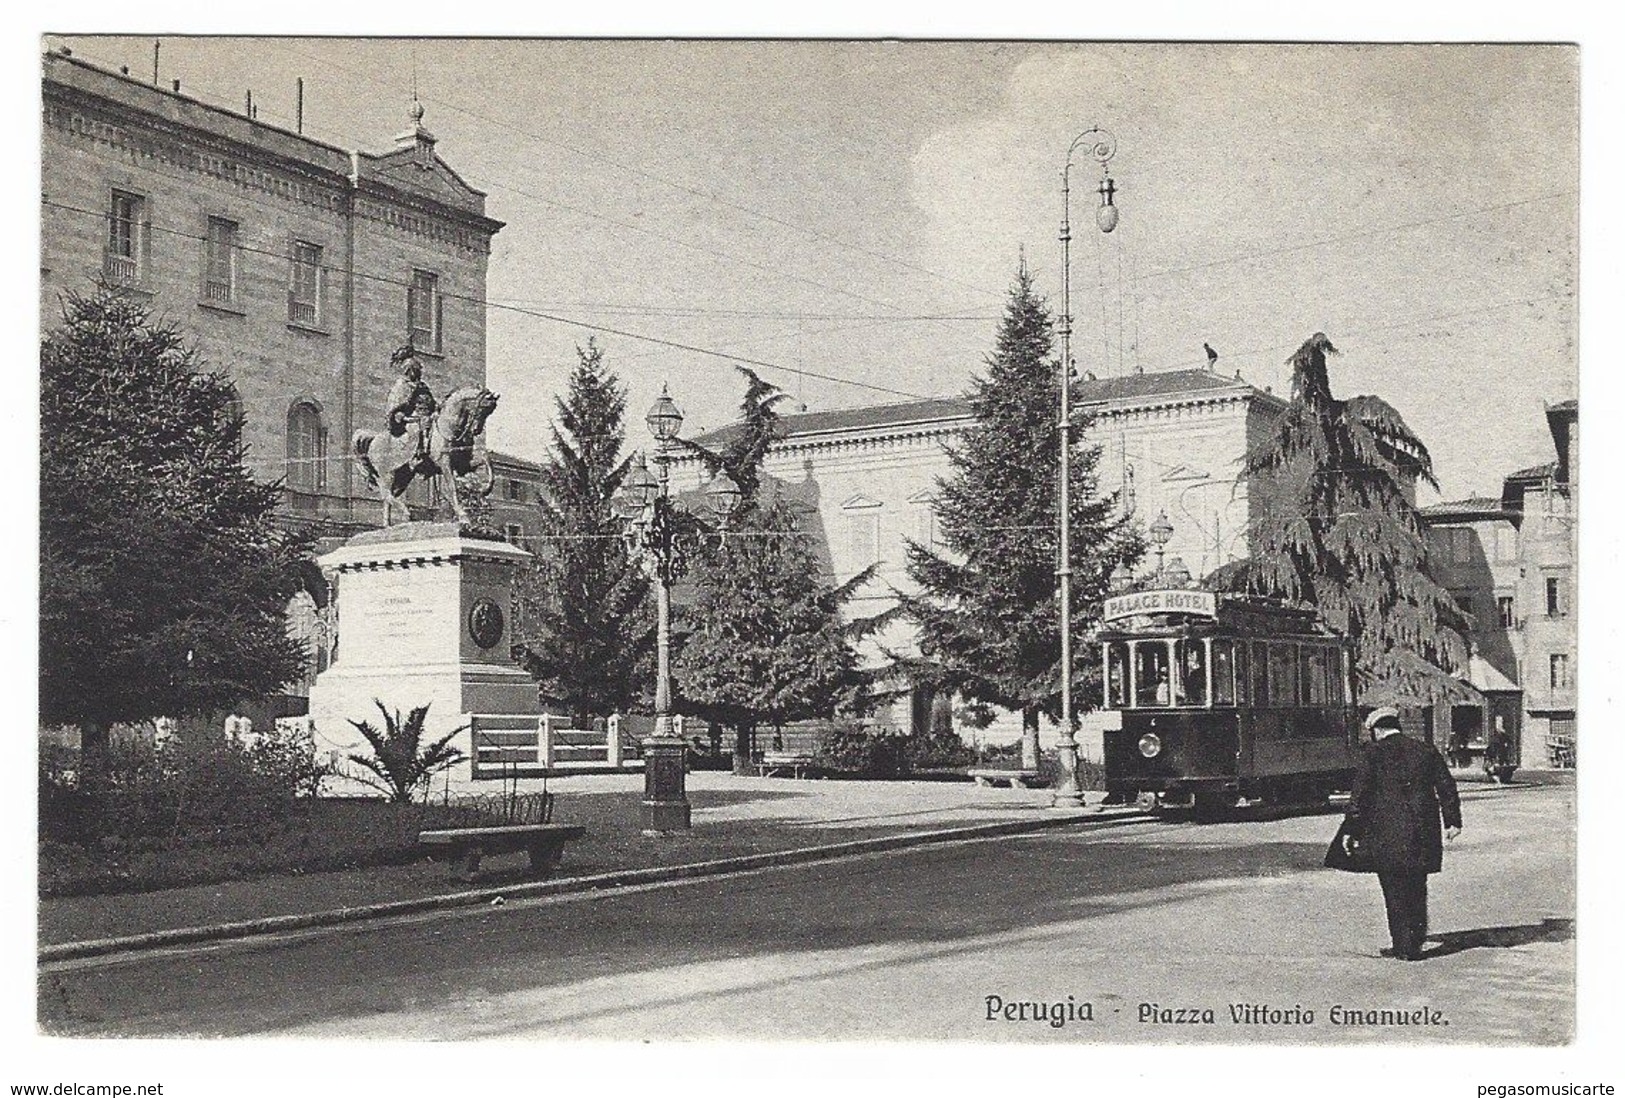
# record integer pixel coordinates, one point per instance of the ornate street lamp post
(1101, 146)
(1161, 530)
(645, 501)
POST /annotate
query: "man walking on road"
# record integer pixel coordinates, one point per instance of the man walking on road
(1402, 791)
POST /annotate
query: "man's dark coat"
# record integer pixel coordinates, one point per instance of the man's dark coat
(1402, 789)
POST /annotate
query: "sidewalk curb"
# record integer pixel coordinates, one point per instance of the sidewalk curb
(98, 947)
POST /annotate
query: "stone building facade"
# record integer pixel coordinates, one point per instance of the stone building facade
(1171, 443)
(297, 267)
(1510, 562)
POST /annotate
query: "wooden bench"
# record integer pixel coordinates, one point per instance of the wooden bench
(1016, 779)
(544, 843)
(776, 762)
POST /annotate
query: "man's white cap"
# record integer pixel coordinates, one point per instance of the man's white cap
(1384, 714)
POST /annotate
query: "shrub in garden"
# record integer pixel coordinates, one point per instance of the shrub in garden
(852, 748)
(939, 749)
(401, 764)
(197, 780)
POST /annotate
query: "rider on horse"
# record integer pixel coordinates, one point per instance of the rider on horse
(410, 403)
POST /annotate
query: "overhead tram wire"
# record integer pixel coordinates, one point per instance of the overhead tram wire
(1350, 237)
(663, 181)
(1348, 333)
(727, 257)
(1141, 277)
(714, 253)
(572, 322)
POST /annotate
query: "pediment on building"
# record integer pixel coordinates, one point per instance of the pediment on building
(1184, 472)
(860, 502)
(431, 177)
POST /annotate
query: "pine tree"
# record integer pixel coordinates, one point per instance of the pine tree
(762, 636)
(988, 607)
(1335, 529)
(585, 622)
(163, 580)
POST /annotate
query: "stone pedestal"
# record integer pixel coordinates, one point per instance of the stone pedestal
(423, 618)
(665, 799)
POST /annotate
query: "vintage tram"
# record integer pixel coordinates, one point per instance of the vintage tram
(1225, 698)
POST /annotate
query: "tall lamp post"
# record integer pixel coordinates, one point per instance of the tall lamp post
(1100, 146)
(645, 501)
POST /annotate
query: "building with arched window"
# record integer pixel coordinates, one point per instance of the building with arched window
(296, 266)
(307, 454)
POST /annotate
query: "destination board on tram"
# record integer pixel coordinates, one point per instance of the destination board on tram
(1201, 603)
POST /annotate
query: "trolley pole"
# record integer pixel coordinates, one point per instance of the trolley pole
(1101, 145)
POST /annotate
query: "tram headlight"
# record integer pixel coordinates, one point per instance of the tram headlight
(1150, 745)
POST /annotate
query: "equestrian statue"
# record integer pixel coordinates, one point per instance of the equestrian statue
(425, 438)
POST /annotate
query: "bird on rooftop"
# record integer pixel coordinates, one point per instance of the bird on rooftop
(1212, 356)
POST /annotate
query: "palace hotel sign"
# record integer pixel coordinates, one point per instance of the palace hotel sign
(1200, 603)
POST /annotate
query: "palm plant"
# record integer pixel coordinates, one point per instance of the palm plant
(1335, 526)
(401, 764)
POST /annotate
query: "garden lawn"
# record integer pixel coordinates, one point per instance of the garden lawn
(732, 816)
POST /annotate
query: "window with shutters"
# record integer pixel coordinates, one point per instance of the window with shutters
(220, 262)
(126, 220)
(423, 311)
(1560, 671)
(307, 448)
(305, 284)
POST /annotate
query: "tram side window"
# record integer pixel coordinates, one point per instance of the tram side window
(1283, 674)
(1151, 673)
(1224, 673)
(1117, 675)
(1260, 676)
(1192, 657)
(1244, 686)
(1314, 674)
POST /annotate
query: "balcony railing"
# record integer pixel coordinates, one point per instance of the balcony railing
(218, 292)
(121, 268)
(302, 312)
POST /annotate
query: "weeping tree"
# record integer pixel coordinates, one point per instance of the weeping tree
(1335, 527)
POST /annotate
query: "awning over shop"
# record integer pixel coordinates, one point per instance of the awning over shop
(1482, 676)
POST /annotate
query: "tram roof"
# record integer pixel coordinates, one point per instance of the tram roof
(1237, 615)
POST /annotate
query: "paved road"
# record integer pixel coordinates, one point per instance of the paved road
(912, 944)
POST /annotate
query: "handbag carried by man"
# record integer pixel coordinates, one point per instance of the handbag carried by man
(1348, 853)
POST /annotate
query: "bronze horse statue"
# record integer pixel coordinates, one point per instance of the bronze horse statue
(443, 450)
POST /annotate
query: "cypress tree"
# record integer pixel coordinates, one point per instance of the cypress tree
(585, 618)
(987, 607)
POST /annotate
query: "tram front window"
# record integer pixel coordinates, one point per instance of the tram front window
(1151, 673)
(1192, 657)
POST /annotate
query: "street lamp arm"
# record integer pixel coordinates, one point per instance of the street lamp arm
(1102, 146)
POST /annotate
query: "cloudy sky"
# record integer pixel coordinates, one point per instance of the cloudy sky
(850, 216)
